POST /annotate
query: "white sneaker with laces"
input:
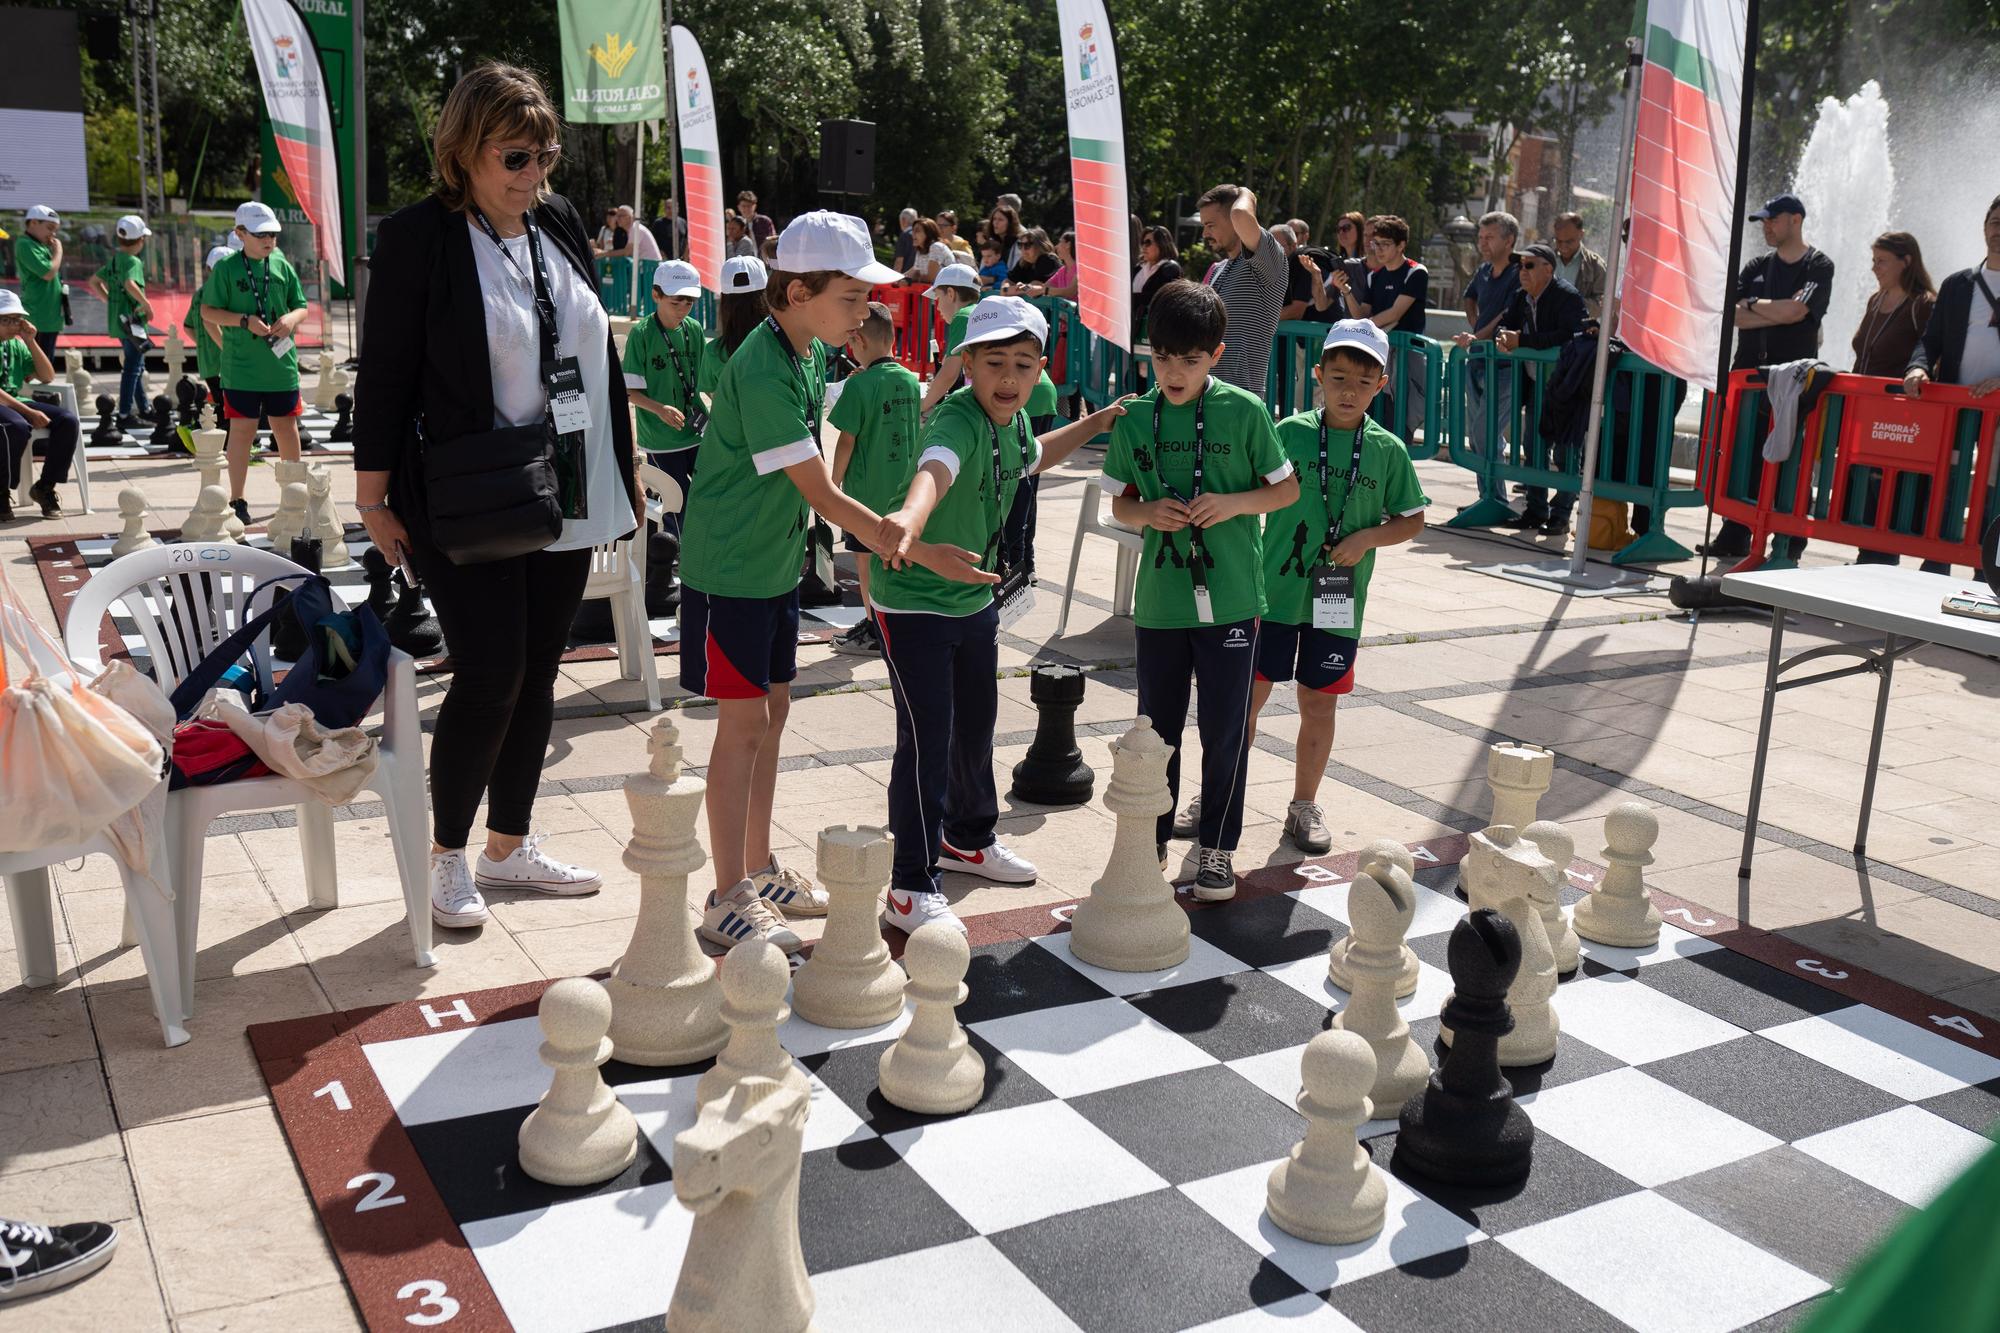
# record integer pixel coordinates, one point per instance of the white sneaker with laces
(529, 867)
(910, 911)
(455, 900)
(789, 891)
(740, 914)
(995, 861)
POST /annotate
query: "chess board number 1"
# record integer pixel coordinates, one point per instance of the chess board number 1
(433, 1306)
(335, 1093)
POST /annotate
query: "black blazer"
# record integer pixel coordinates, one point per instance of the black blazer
(1941, 350)
(423, 350)
(1553, 320)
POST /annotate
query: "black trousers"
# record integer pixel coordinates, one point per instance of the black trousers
(58, 446)
(1221, 662)
(506, 624)
(941, 670)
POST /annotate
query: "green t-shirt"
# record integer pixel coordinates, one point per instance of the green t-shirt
(743, 531)
(1241, 454)
(649, 367)
(1387, 488)
(41, 285)
(881, 407)
(207, 355)
(117, 270)
(969, 514)
(16, 364)
(232, 285)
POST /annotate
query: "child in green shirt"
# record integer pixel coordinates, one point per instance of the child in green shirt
(121, 285)
(254, 296)
(1192, 464)
(666, 355)
(739, 308)
(1358, 492)
(38, 257)
(876, 455)
(206, 337)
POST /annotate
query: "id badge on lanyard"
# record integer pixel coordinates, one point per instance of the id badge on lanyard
(569, 407)
(1333, 585)
(1198, 557)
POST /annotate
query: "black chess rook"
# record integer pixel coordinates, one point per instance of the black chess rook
(1053, 771)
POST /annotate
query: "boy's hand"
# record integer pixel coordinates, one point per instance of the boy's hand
(1211, 507)
(1351, 548)
(1167, 514)
(1116, 408)
(36, 420)
(953, 563)
(257, 326)
(893, 537)
(671, 415)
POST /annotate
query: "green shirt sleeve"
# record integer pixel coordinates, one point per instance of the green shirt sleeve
(633, 362)
(215, 289)
(951, 432)
(1265, 455)
(1402, 493)
(32, 258)
(1119, 468)
(295, 291)
(855, 404)
(956, 330)
(713, 359)
(777, 419)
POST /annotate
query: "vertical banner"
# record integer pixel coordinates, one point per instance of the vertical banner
(302, 129)
(612, 74)
(1097, 170)
(701, 158)
(1684, 208)
(331, 26)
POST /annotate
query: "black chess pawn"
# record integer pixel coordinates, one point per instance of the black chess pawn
(377, 571)
(343, 425)
(164, 439)
(663, 583)
(1465, 1128)
(108, 431)
(288, 636)
(411, 625)
(1053, 772)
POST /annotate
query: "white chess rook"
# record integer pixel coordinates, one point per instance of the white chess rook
(1380, 905)
(1557, 843)
(580, 1134)
(1621, 912)
(326, 522)
(1509, 874)
(1327, 1190)
(1130, 922)
(932, 1068)
(1519, 774)
(754, 977)
(133, 535)
(666, 999)
(850, 981)
(1401, 863)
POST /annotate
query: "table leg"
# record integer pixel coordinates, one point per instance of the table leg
(1884, 665)
(1763, 741)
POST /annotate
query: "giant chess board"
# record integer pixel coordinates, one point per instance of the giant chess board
(1728, 1124)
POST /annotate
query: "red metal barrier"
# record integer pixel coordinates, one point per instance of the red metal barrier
(1870, 467)
(919, 331)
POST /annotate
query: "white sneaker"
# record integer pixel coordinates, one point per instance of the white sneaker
(910, 911)
(529, 867)
(789, 891)
(995, 861)
(455, 900)
(740, 914)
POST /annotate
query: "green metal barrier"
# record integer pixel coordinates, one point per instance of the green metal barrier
(1295, 351)
(1495, 398)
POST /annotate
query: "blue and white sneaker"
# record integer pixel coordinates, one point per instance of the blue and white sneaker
(995, 861)
(789, 891)
(740, 915)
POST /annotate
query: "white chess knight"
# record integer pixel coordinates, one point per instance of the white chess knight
(755, 976)
(326, 523)
(133, 535)
(1327, 1190)
(1130, 922)
(932, 1068)
(1621, 913)
(737, 1170)
(1509, 874)
(666, 999)
(205, 522)
(1398, 863)
(323, 386)
(580, 1133)
(1519, 775)
(1380, 905)
(1557, 843)
(850, 981)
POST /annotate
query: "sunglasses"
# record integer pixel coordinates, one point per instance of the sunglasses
(1346, 226)
(517, 159)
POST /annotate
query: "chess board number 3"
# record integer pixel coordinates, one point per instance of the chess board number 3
(433, 1306)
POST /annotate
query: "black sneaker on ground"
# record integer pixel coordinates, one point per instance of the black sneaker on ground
(1525, 522)
(44, 494)
(6, 507)
(1216, 880)
(1721, 551)
(35, 1259)
(1556, 527)
(859, 641)
(242, 508)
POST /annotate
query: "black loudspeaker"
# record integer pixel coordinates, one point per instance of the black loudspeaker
(101, 36)
(847, 157)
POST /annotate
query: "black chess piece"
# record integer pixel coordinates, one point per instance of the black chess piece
(108, 431)
(288, 636)
(192, 394)
(1053, 772)
(343, 425)
(376, 570)
(164, 439)
(411, 625)
(663, 583)
(1465, 1128)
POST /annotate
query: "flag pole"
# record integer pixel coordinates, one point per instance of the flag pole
(357, 253)
(673, 131)
(638, 205)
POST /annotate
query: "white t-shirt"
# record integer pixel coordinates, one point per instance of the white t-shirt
(937, 257)
(514, 355)
(644, 244)
(1982, 341)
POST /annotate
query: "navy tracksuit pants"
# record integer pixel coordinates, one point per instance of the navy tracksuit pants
(942, 674)
(1221, 662)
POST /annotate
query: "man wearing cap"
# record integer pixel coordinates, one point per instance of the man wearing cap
(22, 361)
(1546, 312)
(39, 256)
(121, 285)
(255, 297)
(663, 365)
(1781, 297)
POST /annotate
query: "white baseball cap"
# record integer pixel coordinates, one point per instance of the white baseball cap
(131, 227)
(42, 213)
(1361, 334)
(953, 275)
(1001, 319)
(10, 302)
(819, 241)
(745, 273)
(233, 241)
(676, 277)
(258, 219)
(216, 254)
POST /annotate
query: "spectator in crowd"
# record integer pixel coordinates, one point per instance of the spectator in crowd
(1347, 236)
(1581, 268)
(1546, 312)
(932, 254)
(1138, 235)
(1486, 299)
(464, 358)
(992, 264)
(1250, 279)
(1004, 226)
(23, 364)
(736, 239)
(761, 228)
(1298, 278)
(1393, 295)
(1012, 201)
(768, 251)
(634, 241)
(607, 235)
(1899, 310)
(906, 245)
(1159, 264)
(1301, 231)
(1063, 282)
(670, 231)
(1035, 265)
(947, 224)
(39, 257)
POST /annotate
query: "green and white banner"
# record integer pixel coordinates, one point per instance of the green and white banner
(1097, 170)
(302, 128)
(611, 59)
(701, 159)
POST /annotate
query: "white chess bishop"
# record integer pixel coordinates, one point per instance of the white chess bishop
(1380, 905)
(1401, 866)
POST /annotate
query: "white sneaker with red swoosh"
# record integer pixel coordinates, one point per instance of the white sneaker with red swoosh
(995, 861)
(908, 911)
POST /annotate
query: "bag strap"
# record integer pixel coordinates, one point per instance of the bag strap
(19, 628)
(187, 696)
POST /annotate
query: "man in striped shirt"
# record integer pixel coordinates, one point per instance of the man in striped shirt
(1250, 279)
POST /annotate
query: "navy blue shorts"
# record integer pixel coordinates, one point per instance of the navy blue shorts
(1319, 659)
(738, 647)
(250, 404)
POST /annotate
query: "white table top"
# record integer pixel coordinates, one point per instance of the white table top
(1886, 598)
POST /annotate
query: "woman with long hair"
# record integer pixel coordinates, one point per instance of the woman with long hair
(1898, 310)
(1004, 226)
(1159, 264)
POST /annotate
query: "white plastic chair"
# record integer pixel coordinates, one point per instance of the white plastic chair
(79, 468)
(213, 589)
(618, 575)
(1092, 522)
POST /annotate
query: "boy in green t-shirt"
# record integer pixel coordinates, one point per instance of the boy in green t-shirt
(1192, 464)
(207, 337)
(255, 297)
(1358, 492)
(942, 639)
(38, 255)
(22, 363)
(666, 358)
(956, 290)
(121, 285)
(877, 417)
(742, 548)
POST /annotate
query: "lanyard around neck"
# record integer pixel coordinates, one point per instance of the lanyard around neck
(814, 403)
(545, 306)
(1000, 506)
(680, 369)
(259, 287)
(1200, 436)
(1336, 519)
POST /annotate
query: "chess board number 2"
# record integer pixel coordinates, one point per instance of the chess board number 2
(433, 1306)
(379, 1197)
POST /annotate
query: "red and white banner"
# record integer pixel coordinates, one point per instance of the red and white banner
(701, 157)
(1097, 171)
(301, 120)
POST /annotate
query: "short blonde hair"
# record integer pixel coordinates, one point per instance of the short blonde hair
(492, 103)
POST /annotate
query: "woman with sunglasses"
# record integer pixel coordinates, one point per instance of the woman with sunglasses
(485, 325)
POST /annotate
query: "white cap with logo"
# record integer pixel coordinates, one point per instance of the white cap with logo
(1363, 335)
(1002, 319)
(675, 277)
(745, 273)
(42, 213)
(10, 303)
(820, 241)
(131, 227)
(954, 275)
(258, 219)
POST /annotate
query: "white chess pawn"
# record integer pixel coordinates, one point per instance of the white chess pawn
(1130, 922)
(932, 1067)
(666, 1000)
(1621, 913)
(580, 1133)
(1327, 1190)
(133, 536)
(205, 522)
(1557, 843)
(1402, 864)
(294, 509)
(1380, 905)
(754, 977)
(1519, 774)
(325, 522)
(850, 981)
